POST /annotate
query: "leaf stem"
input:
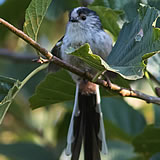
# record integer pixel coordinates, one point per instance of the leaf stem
(42, 67)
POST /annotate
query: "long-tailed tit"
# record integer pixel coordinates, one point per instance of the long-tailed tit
(86, 126)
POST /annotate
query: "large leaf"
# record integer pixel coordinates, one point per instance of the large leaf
(137, 41)
(57, 87)
(109, 19)
(123, 116)
(34, 17)
(148, 142)
(26, 151)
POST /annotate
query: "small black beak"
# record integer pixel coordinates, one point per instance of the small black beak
(74, 20)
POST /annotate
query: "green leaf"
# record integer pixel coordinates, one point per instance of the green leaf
(148, 142)
(123, 116)
(26, 151)
(34, 17)
(84, 53)
(113, 131)
(153, 66)
(136, 42)
(109, 19)
(57, 87)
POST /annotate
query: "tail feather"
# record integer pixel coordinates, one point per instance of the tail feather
(91, 126)
(78, 134)
(87, 127)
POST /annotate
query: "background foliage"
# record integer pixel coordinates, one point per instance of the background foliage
(132, 126)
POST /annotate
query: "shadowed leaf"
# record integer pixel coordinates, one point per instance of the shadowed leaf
(148, 142)
(109, 19)
(57, 87)
(123, 116)
(25, 151)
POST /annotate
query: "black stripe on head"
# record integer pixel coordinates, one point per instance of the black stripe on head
(86, 11)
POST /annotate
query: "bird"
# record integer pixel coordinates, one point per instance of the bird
(86, 126)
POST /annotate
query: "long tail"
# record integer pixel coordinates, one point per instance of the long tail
(86, 125)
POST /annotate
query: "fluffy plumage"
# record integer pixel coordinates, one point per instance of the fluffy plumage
(86, 126)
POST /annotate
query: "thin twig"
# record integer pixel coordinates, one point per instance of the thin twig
(122, 91)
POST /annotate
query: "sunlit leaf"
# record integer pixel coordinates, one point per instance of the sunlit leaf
(34, 17)
(84, 52)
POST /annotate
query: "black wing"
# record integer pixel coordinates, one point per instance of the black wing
(56, 52)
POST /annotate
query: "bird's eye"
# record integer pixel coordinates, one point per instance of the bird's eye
(83, 17)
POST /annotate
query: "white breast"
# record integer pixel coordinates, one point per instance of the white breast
(100, 43)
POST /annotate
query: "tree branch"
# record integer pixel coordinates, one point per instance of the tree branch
(122, 91)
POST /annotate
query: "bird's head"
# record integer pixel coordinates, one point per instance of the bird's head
(84, 18)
